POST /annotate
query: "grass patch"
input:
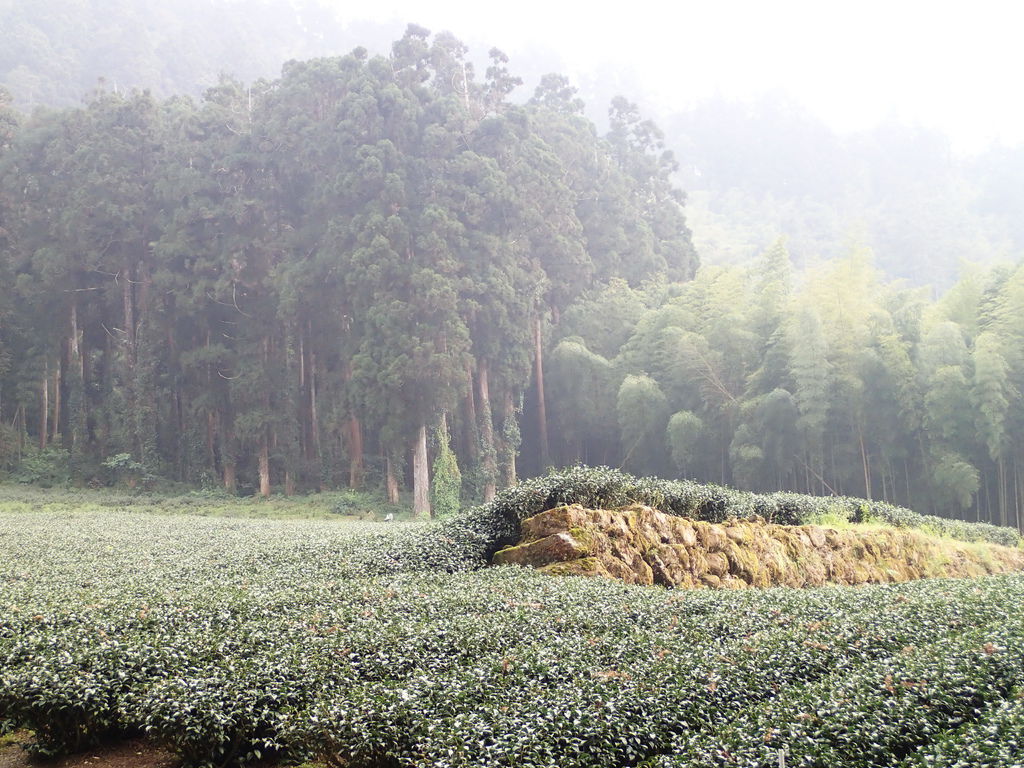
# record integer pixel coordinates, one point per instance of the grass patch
(356, 505)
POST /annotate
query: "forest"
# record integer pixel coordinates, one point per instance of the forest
(382, 270)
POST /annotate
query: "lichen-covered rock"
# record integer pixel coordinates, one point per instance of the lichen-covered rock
(640, 545)
(556, 548)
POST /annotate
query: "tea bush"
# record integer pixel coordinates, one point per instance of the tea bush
(995, 740)
(230, 640)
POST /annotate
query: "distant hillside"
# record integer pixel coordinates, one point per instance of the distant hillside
(56, 51)
(759, 171)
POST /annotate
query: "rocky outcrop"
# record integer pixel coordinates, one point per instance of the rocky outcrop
(640, 545)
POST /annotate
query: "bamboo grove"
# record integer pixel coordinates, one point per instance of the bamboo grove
(372, 266)
(830, 382)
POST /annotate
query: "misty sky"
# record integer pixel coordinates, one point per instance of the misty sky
(953, 66)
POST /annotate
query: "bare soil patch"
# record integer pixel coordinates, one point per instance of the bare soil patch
(134, 753)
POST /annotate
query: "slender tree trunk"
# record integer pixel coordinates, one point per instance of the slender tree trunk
(211, 457)
(21, 430)
(314, 419)
(864, 463)
(355, 452)
(289, 483)
(226, 434)
(470, 432)
(1001, 474)
(542, 411)
(57, 376)
(305, 434)
(487, 432)
(390, 481)
(355, 445)
(181, 456)
(832, 457)
(420, 475)
(230, 477)
(128, 301)
(78, 417)
(508, 465)
(264, 461)
(1016, 492)
(76, 350)
(988, 500)
(44, 408)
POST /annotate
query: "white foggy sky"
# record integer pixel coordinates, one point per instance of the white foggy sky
(952, 66)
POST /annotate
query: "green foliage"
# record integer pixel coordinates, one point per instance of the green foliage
(10, 453)
(125, 469)
(305, 640)
(446, 483)
(954, 481)
(684, 432)
(441, 223)
(47, 468)
(643, 418)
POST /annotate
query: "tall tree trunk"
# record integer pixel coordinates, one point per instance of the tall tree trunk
(508, 464)
(420, 475)
(75, 341)
(864, 463)
(289, 483)
(128, 300)
(302, 401)
(1001, 475)
(21, 430)
(211, 457)
(490, 459)
(44, 407)
(470, 432)
(227, 453)
(57, 376)
(355, 444)
(1016, 492)
(77, 416)
(542, 412)
(390, 481)
(230, 476)
(314, 419)
(181, 457)
(264, 464)
(355, 452)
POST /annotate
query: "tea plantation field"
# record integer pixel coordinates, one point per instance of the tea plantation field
(359, 644)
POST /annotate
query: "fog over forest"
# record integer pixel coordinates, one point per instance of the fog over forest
(262, 245)
(889, 160)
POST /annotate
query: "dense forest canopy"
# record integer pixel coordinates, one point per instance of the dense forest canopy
(754, 169)
(304, 277)
(382, 270)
